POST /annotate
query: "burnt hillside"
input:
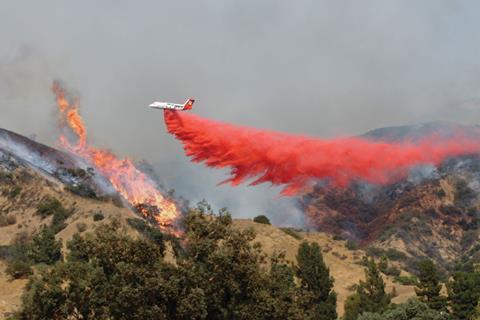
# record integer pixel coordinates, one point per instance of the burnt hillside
(434, 213)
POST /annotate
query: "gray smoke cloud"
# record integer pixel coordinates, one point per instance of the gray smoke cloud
(321, 68)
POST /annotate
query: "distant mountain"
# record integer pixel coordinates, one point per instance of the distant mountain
(420, 131)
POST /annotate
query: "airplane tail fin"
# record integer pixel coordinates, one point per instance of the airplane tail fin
(188, 104)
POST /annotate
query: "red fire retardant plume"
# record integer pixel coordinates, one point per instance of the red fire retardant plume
(294, 161)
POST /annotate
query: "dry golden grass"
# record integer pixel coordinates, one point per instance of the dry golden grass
(339, 259)
(273, 239)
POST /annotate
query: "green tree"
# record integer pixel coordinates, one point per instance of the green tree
(16, 257)
(429, 286)
(44, 297)
(477, 312)
(352, 307)
(371, 292)
(413, 309)
(463, 294)
(225, 263)
(383, 264)
(44, 248)
(219, 274)
(106, 275)
(316, 288)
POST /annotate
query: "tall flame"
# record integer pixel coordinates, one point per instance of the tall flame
(132, 184)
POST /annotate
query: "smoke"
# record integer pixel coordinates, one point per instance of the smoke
(320, 68)
(295, 161)
(138, 189)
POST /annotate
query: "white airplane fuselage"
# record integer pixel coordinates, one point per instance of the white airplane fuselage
(172, 106)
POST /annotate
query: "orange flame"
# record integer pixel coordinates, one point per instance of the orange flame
(132, 184)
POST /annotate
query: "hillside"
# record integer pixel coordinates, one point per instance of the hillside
(34, 187)
(344, 264)
(31, 173)
(433, 213)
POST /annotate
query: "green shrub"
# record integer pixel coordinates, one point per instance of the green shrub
(48, 206)
(51, 206)
(392, 271)
(351, 245)
(16, 190)
(151, 233)
(383, 264)
(406, 280)
(44, 248)
(387, 233)
(395, 255)
(16, 257)
(6, 176)
(412, 309)
(18, 269)
(468, 239)
(261, 219)
(58, 221)
(291, 232)
(98, 216)
(375, 252)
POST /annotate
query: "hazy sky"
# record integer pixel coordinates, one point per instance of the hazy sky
(321, 68)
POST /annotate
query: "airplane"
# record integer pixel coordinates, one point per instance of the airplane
(173, 106)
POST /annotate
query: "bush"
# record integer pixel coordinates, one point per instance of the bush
(98, 216)
(58, 221)
(292, 233)
(469, 238)
(49, 206)
(395, 255)
(16, 190)
(387, 233)
(7, 220)
(406, 280)
(18, 269)
(375, 252)
(383, 264)
(392, 271)
(261, 219)
(351, 245)
(44, 248)
(463, 193)
(151, 233)
(16, 257)
(6, 176)
(412, 309)
(83, 190)
(338, 237)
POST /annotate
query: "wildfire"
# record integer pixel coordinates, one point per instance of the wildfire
(132, 184)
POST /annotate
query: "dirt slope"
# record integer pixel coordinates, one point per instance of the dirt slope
(341, 261)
